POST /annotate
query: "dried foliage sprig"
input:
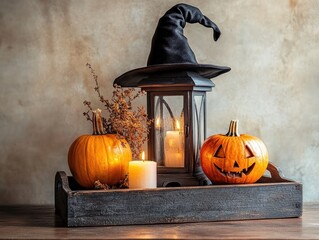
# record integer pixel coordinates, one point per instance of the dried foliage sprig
(123, 120)
(103, 186)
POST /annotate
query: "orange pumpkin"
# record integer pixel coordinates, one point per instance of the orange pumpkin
(233, 158)
(100, 156)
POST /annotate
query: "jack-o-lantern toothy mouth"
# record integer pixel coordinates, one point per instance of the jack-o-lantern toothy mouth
(235, 174)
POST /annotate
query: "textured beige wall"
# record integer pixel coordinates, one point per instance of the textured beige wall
(272, 47)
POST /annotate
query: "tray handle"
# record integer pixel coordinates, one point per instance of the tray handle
(276, 174)
(62, 182)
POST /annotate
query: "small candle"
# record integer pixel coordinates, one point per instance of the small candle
(174, 149)
(142, 174)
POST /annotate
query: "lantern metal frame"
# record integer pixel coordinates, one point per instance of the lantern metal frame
(191, 86)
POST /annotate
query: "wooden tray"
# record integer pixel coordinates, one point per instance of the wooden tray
(270, 197)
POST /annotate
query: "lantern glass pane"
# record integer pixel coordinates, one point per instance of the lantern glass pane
(199, 125)
(169, 131)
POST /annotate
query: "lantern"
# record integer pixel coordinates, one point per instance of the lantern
(176, 101)
(178, 107)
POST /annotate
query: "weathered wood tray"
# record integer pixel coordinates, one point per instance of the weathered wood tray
(270, 197)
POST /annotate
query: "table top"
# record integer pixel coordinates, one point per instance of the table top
(41, 222)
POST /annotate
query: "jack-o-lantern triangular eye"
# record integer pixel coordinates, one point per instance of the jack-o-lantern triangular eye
(248, 152)
(220, 152)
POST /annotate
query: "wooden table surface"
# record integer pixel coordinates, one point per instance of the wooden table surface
(41, 222)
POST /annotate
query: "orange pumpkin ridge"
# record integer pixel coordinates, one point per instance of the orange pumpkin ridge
(233, 158)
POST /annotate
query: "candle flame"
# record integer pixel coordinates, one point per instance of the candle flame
(158, 123)
(143, 155)
(177, 125)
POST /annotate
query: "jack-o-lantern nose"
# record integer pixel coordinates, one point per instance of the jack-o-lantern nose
(236, 164)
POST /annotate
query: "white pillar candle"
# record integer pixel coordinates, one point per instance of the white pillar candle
(174, 149)
(142, 174)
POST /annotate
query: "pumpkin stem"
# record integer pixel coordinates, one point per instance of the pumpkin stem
(233, 129)
(97, 122)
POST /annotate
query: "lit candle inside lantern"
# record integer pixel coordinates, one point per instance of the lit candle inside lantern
(142, 174)
(174, 147)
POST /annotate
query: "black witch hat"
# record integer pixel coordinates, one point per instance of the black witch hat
(170, 52)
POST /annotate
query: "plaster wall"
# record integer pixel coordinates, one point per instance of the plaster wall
(272, 47)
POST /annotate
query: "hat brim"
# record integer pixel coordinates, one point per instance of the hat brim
(134, 77)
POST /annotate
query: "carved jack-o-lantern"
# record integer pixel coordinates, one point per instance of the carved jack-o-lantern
(234, 158)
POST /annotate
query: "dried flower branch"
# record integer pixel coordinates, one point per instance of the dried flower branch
(123, 184)
(133, 125)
